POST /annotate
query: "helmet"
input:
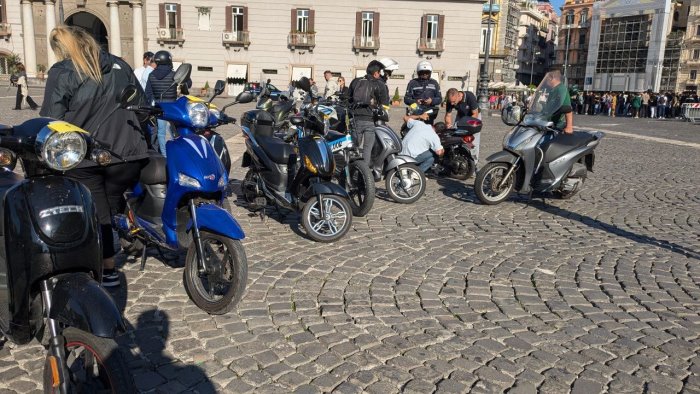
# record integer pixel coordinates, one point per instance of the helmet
(163, 57)
(424, 66)
(389, 64)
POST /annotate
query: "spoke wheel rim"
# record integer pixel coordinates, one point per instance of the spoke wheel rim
(490, 187)
(334, 219)
(397, 183)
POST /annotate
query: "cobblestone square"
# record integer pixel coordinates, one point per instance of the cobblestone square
(600, 293)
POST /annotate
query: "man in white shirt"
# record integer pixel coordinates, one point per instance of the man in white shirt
(331, 84)
(422, 142)
(143, 71)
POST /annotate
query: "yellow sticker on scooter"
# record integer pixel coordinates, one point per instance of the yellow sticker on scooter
(194, 99)
(61, 126)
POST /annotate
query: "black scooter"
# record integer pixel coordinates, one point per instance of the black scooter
(295, 177)
(51, 260)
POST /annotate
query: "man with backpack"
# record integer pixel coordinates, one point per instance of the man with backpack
(370, 95)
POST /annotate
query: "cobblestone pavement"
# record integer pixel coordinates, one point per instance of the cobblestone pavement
(600, 293)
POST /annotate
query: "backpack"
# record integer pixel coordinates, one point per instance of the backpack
(362, 93)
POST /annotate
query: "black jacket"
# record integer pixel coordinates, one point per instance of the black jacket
(421, 89)
(160, 81)
(366, 93)
(94, 106)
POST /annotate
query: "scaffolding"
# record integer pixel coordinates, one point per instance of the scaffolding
(624, 44)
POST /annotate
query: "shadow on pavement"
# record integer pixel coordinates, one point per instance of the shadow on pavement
(612, 229)
(153, 367)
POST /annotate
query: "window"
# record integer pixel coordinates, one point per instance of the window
(697, 30)
(367, 25)
(432, 31)
(170, 22)
(171, 16)
(237, 14)
(482, 46)
(696, 54)
(203, 18)
(624, 44)
(302, 24)
(570, 18)
(693, 74)
(584, 17)
(3, 12)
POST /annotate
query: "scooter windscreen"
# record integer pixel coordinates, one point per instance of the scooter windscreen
(549, 97)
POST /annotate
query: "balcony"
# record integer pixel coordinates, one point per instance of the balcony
(235, 38)
(170, 36)
(301, 40)
(434, 45)
(360, 43)
(584, 25)
(5, 30)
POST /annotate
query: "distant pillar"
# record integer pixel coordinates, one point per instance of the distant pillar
(115, 35)
(136, 8)
(29, 42)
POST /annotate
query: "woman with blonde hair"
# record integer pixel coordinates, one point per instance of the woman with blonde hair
(83, 88)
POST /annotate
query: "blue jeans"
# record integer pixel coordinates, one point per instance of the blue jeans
(425, 160)
(163, 130)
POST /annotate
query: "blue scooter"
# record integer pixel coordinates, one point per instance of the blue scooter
(177, 203)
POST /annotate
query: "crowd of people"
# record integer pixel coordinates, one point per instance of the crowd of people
(646, 104)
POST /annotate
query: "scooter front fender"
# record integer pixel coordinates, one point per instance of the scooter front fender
(503, 156)
(77, 300)
(213, 218)
(323, 188)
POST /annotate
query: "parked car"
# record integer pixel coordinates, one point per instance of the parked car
(256, 87)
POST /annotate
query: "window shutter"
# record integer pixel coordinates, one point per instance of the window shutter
(4, 11)
(294, 19)
(229, 18)
(312, 15)
(375, 25)
(179, 16)
(161, 14)
(245, 18)
(358, 24)
(423, 27)
(441, 26)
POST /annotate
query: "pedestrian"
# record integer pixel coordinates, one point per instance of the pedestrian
(613, 105)
(423, 90)
(160, 88)
(23, 89)
(331, 84)
(636, 105)
(645, 105)
(653, 103)
(342, 89)
(83, 89)
(661, 105)
(143, 71)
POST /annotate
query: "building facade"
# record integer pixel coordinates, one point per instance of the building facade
(259, 39)
(574, 33)
(688, 69)
(552, 37)
(627, 45)
(503, 52)
(532, 43)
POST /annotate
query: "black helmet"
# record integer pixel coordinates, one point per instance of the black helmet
(163, 57)
(374, 66)
(304, 84)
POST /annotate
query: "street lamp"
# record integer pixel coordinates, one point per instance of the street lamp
(484, 75)
(566, 51)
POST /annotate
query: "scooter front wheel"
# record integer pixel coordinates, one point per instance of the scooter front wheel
(326, 217)
(360, 187)
(405, 183)
(490, 184)
(94, 365)
(219, 288)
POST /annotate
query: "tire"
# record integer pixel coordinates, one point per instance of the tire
(249, 194)
(340, 209)
(489, 176)
(100, 355)
(231, 288)
(396, 189)
(360, 187)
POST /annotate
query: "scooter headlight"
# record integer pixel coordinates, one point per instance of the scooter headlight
(185, 180)
(199, 114)
(61, 147)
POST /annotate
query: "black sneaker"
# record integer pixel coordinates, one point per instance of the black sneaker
(110, 278)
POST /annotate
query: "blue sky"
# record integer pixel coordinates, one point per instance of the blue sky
(557, 4)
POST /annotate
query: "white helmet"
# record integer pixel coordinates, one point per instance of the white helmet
(424, 66)
(389, 64)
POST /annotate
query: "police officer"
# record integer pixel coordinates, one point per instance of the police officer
(423, 90)
(368, 94)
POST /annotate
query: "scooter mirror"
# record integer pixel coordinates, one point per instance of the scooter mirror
(511, 115)
(245, 97)
(182, 73)
(219, 87)
(128, 96)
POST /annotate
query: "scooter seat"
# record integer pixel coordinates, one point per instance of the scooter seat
(563, 143)
(278, 150)
(155, 172)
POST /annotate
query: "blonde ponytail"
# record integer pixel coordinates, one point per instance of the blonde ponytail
(80, 47)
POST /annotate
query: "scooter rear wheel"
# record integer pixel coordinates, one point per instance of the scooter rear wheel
(94, 365)
(219, 291)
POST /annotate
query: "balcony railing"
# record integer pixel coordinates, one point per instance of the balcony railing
(430, 45)
(585, 24)
(171, 35)
(365, 43)
(235, 38)
(301, 40)
(5, 29)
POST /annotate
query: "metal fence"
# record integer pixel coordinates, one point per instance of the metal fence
(691, 112)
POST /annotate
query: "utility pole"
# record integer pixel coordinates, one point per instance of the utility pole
(484, 76)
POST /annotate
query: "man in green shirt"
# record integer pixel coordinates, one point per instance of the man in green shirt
(558, 105)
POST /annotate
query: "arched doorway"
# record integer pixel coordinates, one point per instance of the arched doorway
(92, 25)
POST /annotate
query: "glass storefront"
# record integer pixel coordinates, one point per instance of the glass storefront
(624, 44)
